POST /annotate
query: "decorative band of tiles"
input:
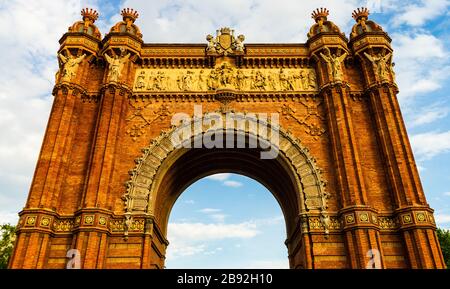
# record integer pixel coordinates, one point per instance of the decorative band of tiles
(137, 224)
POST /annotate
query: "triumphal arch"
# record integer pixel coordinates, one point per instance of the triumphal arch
(318, 123)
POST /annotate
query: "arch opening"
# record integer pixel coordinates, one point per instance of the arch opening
(293, 178)
(226, 220)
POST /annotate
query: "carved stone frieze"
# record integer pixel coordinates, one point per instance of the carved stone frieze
(225, 76)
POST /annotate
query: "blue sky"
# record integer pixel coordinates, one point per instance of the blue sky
(227, 221)
(29, 36)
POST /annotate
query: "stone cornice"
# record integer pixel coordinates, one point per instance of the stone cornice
(88, 219)
(75, 90)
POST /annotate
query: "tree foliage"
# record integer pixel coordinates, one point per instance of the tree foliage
(7, 237)
(444, 240)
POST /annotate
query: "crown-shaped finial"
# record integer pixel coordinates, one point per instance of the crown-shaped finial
(320, 13)
(225, 30)
(89, 13)
(360, 12)
(129, 13)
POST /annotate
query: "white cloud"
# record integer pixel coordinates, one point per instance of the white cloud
(185, 250)
(233, 184)
(225, 179)
(218, 217)
(187, 239)
(29, 37)
(258, 20)
(190, 202)
(201, 231)
(427, 145)
(446, 194)
(8, 218)
(219, 177)
(214, 251)
(421, 63)
(442, 218)
(276, 220)
(417, 14)
(209, 210)
(421, 168)
(214, 214)
(429, 114)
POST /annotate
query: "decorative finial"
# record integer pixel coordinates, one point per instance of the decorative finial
(320, 13)
(128, 13)
(89, 14)
(360, 12)
(225, 31)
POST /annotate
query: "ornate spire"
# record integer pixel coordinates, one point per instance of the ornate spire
(360, 12)
(89, 14)
(129, 13)
(320, 13)
(363, 24)
(127, 25)
(87, 24)
(322, 24)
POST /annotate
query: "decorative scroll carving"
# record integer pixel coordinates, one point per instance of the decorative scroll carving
(315, 223)
(139, 188)
(63, 225)
(141, 121)
(312, 120)
(387, 222)
(225, 76)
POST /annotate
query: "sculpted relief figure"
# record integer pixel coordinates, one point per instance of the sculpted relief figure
(312, 80)
(240, 43)
(140, 81)
(240, 80)
(259, 81)
(286, 81)
(184, 81)
(380, 64)
(201, 83)
(334, 64)
(226, 76)
(116, 65)
(213, 80)
(160, 81)
(211, 43)
(272, 79)
(69, 65)
(392, 71)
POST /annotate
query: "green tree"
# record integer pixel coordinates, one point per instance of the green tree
(444, 240)
(7, 237)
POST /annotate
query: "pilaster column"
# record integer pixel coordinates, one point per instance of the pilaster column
(361, 233)
(329, 50)
(415, 218)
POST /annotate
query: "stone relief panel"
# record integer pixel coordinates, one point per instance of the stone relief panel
(225, 76)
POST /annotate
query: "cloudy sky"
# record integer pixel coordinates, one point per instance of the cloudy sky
(253, 229)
